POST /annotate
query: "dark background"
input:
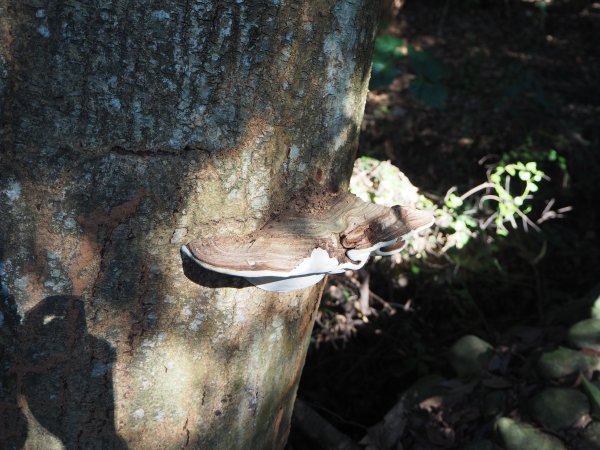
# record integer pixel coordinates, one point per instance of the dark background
(514, 81)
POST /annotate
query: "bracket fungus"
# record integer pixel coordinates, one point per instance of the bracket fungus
(317, 234)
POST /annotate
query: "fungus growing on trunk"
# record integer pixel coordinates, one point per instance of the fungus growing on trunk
(317, 234)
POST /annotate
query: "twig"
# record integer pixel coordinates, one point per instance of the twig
(527, 220)
(364, 292)
(484, 159)
(513, 222)
(488, 221)
(541, 253)
(548, 214)
(478, 188)
(548, 207)
(389, 307)
(489, 197)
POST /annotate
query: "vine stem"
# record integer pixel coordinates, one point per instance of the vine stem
(478, 188)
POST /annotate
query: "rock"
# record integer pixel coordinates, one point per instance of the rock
(424, 387)
(586, 334)
(482, 444)
(517, 436)
(493, 404)
(596, 309)
(590, 438)
(563, 362)
(557, 408)
(470, 355)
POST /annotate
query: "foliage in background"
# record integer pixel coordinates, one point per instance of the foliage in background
(429, 73)
(513, 86)
(519, 82)
(386, 55)
(507, 196)
(509, 199)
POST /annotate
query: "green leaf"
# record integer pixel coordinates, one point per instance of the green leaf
(524, 175)
(387, 52)
(433, 95)
(382, 74)
(594, 395)
(511, 170)
(424, 65)
(562, 162)
(454, 201)
(389, 45)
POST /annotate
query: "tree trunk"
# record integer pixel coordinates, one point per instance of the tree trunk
(128, 129)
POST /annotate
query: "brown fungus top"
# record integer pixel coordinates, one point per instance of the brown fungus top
(313, 218)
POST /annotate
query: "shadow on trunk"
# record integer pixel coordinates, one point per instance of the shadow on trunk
(63, 371)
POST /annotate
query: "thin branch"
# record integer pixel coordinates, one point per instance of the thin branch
(364, 293)
(489, 197)
(489, 220)
(527, 220)
(478, 188)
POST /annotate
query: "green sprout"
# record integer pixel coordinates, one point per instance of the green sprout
(502, 201)
(511, 206)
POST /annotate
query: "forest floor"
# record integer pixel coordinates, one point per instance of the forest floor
(518, 80)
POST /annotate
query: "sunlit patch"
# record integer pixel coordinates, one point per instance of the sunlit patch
(50, 317)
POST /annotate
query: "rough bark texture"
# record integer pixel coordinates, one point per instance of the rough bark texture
(128, 129)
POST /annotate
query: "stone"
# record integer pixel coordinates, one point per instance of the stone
(586, 334)
(590, 438)
(563, 362)
(469, 356)
(558, 408)
(517, 436)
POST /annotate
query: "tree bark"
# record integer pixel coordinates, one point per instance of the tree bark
(128, 129)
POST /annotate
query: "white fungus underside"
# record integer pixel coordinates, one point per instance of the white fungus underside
(309, 272)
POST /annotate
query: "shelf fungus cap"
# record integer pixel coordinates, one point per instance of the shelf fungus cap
(317, 234)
